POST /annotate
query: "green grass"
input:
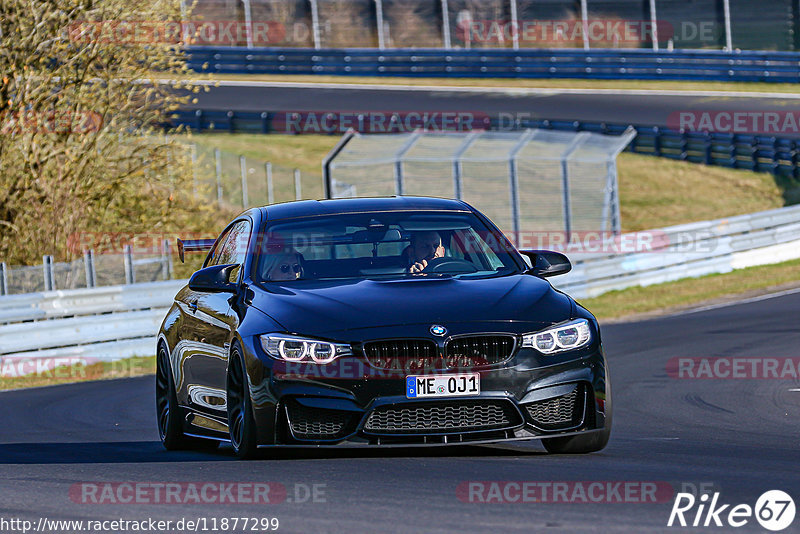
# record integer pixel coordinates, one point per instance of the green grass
(693, 291)
(659, 192)
(650, 85)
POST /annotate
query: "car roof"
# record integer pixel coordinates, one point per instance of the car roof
(310, 208)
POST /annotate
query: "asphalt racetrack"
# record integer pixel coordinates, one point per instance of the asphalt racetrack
(660, 108)
(739, 437)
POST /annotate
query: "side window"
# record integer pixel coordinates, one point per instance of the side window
(214, 254)
(232, 246)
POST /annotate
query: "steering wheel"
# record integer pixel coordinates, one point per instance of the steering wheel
(449, 265)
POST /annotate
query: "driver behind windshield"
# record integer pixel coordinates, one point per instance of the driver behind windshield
(425, 246)
(287, 265)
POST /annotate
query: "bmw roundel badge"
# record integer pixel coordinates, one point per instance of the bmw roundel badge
(438, 330)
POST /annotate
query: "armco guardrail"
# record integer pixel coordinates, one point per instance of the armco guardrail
(106, 323)
(79, 302)
(690, 250)
(77, 323)
(779, 156)
(716, 65)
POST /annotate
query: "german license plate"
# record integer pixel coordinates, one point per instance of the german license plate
(443, 385)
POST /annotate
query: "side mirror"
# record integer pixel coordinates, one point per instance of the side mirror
(214, 279)
(547, 263)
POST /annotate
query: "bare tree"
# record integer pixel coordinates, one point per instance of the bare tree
(82, 112)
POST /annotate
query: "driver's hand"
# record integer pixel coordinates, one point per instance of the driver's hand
(418, 267)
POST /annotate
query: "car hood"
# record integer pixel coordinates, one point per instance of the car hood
(330, 307)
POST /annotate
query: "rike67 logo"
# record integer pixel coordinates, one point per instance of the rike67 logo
(774, 510)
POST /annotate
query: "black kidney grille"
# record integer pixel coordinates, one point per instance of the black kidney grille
(443, 417)
(559, 413)
(477, 351)
(412, 355)
(317, 423)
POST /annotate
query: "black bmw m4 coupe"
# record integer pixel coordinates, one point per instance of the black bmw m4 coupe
(377, 322)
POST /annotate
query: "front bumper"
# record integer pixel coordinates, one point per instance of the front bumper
(340, 404)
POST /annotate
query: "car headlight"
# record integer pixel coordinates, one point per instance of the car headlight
(568, 336)
(302, 349)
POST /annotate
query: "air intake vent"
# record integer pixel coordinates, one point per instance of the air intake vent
(443, 417)
(317, 423)
(559, 413)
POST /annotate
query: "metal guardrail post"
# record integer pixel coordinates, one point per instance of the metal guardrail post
(728, 37)
(514, 25)
(315, 24)
(298, 193)
(185, 36)
(3, 279)
(127, 257)
(446, 26)
(796, 23)
(264, 122)
(657, 141)
(218, 159)
(379, 22)
(243, 167)
(654, 24)
(47, 270)
(270, 190)
(88, 267)
(166, 260)
(248, 21)
(585, 22)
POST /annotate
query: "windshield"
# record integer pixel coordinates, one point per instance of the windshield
(382, 245)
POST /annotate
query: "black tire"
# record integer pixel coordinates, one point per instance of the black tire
(169, 414)
(241, 424)
(583, 444)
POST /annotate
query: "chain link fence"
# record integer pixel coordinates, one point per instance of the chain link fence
(238, 182)
(90, 270)
(526, 181)
(709, 24)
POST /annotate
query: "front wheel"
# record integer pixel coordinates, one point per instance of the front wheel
(241, 423)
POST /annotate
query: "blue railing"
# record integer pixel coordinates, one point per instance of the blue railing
(713, 65)
(779, 156)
